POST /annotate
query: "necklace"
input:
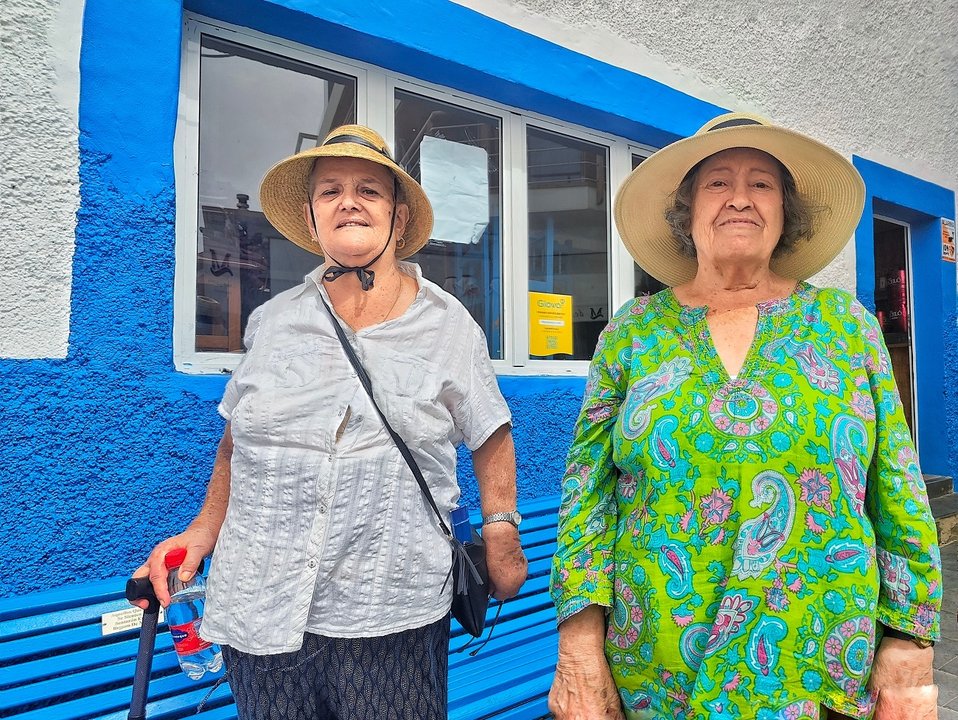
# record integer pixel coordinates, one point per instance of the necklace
(395, 300)
(355, 316)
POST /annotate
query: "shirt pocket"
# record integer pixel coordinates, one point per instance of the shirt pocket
(298, 394)
(407, 390)
(303, 364)
(404, 375)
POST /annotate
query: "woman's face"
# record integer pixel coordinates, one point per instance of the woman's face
(352, 201)
(737, 211)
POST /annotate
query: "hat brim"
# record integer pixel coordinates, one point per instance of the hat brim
(284, 192)
(824, 177)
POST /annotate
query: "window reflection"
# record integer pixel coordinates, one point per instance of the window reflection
(463, 184)
(255, 109)
(569, 231)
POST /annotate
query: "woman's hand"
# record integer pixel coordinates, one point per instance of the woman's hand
(198, 539)
(902, 676)
(583, 688)
(505, 560)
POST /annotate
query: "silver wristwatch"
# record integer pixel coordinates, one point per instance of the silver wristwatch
(510, 517)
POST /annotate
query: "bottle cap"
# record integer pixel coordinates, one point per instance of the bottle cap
(461, 527)
(175, 558)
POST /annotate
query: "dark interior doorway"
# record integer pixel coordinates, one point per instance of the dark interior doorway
(893, 306)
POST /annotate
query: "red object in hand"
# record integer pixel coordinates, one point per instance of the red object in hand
(174, 558)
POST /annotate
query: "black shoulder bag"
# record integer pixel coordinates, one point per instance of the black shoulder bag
(470, 578)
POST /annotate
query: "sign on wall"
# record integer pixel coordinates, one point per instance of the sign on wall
(948, 240)
(550, 324)
(455, 176)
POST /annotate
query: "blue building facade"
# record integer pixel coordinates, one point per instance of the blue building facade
(109, 450)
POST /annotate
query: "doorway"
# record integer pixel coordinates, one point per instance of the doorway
(893, 306)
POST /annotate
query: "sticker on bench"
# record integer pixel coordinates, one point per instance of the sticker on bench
(122, 620)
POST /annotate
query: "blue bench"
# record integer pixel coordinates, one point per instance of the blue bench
(55, 664)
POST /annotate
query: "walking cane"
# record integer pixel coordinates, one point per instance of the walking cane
(142, 589)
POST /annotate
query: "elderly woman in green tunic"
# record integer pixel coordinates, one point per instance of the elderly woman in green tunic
(744, 530)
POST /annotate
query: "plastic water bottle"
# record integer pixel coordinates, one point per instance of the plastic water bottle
(461, 527)
(184, 616)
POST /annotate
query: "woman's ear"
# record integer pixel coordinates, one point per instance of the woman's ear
(308, 219)
(402, 219)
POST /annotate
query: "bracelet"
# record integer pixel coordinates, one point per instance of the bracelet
(901, 635)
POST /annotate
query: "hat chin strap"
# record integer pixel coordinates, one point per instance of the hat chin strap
(367, 277)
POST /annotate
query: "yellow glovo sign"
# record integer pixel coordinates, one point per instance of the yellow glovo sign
(550, 324)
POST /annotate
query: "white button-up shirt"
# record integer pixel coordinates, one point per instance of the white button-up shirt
(327, 530)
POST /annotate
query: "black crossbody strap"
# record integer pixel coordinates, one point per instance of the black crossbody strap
(400, 443)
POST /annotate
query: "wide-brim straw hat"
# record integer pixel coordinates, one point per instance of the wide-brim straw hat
(285, 188)
(824, 177)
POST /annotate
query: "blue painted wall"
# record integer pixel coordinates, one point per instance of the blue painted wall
(109, 450)
(895, 194)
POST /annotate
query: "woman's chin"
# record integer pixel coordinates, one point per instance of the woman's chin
(741, 260)
(354, 251)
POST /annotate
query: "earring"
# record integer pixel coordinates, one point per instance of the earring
(401, 243)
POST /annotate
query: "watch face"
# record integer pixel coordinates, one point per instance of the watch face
(516, 518)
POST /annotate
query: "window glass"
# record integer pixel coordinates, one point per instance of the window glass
(255, 109)
(568, 239)
(645, 284)
(260, 101)
(455, 153)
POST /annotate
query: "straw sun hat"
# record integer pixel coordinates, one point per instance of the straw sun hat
(285, 189)
(822, 176)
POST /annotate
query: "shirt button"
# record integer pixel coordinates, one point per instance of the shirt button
(311, 564)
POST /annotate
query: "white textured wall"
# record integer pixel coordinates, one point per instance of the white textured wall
(878, 79)
(39, 161)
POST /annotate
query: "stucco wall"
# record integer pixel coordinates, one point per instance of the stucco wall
(876, 79)
(38, 173)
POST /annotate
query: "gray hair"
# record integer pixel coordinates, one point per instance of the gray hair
(799, 213)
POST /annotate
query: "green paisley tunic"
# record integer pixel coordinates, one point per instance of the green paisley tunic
(745, 533)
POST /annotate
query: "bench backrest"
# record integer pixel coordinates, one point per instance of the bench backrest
(56, 663)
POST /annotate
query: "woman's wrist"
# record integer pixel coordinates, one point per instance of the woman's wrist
(891, 632)
(583, 631)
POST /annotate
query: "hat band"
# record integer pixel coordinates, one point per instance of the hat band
(736, 122)
(356, 139)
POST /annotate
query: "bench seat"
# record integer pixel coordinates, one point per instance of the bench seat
(56, 665)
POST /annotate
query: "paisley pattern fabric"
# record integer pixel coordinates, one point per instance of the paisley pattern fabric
(746, 534)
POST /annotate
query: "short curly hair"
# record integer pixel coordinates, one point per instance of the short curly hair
(799, 212)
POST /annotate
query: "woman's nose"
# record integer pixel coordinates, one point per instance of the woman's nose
(739, 198)
(349, 198)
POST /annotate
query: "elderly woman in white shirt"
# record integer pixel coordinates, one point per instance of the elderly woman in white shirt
(328, 587)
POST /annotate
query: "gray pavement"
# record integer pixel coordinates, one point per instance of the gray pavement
(946, 651)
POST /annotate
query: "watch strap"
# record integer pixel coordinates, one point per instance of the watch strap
(509, 517)
(902, 635)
